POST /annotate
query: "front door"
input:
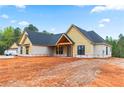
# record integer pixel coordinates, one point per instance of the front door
(69, 51)
(27, 49)
(21, 50)
(59, 50)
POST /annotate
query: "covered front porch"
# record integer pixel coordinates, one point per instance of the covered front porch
(64, 47)
(24, 49)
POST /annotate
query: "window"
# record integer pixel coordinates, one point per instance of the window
(27, 49)
(106, 50)
(81, 50)
(59, 50)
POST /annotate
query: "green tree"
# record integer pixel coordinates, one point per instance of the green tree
(8, 36)
(2, 47)
(114, 48)
(117, 45)
(121, 36)
(121, 45)
(31, 27)
(17, 34)
(1, 34)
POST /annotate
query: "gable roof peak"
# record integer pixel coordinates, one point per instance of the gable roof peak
(39, 38)
(78, 27)
(91, 35)
(73, 25)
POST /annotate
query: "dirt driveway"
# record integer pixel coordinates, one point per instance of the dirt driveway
(56, 71)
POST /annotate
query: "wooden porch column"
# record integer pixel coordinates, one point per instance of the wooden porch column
(72, 50)
(57, 50)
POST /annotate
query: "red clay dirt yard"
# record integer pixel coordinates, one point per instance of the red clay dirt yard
(61, 72)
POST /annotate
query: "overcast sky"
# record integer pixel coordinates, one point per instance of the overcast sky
(105, 20)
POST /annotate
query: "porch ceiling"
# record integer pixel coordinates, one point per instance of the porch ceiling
(66, 43)
(24, 44)
(64, 40)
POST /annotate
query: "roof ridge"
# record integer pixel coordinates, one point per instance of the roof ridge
(79, 27)
(58, 33)
(39, 33)
(95, 38)
(91, 31)
(45, 33)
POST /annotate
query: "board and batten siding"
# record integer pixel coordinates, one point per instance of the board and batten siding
(100, 51)
(79, 39)
(64, 51)
(14, 45)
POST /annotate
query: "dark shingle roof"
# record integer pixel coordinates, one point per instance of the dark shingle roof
(38, 38)
(95, 37)
(91, 35)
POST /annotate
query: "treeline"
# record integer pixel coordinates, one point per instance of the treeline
(117, 45)
(9, 35)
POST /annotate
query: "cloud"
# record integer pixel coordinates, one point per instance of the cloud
(13, 21)
(104, 20)
(101, 8)
(4, 16)
(101, 25)
(23, 23)
(98, 9)
(21, 6)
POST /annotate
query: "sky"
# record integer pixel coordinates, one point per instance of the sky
(104, 20)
